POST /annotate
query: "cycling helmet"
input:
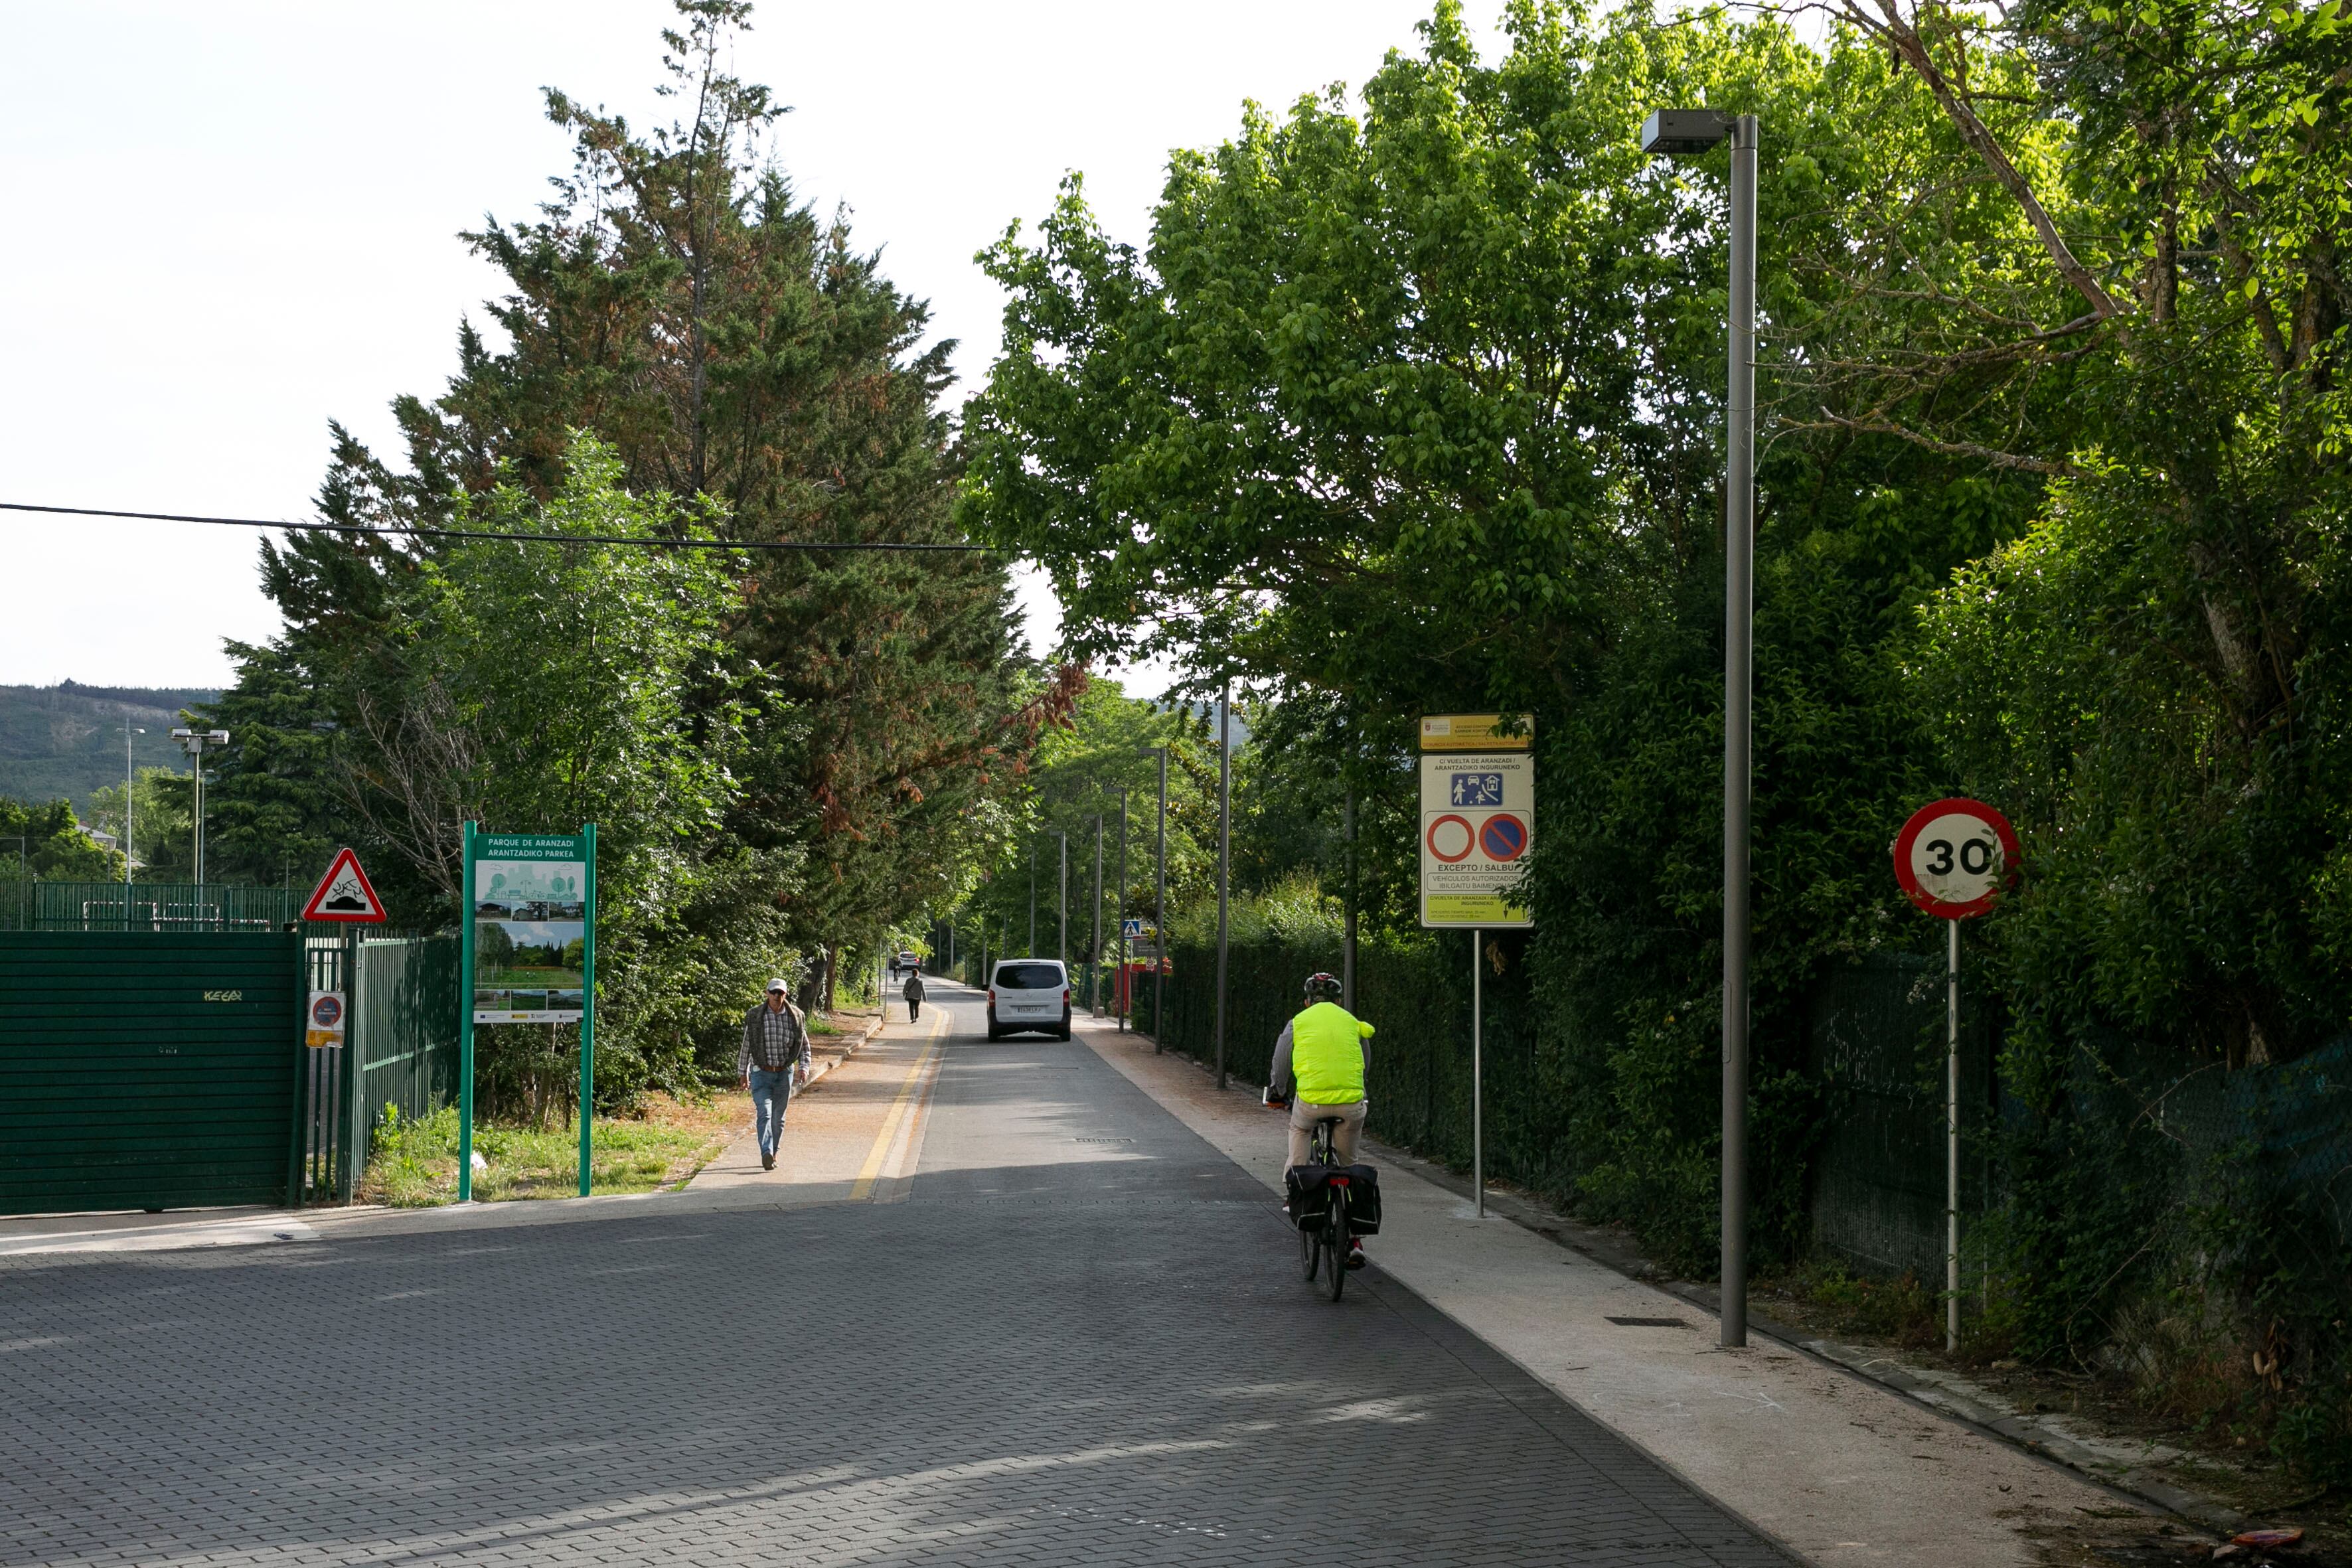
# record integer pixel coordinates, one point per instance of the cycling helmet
(1322, 987)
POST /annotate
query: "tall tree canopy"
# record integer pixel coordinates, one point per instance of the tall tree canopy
(1413, 404)
(724, 346)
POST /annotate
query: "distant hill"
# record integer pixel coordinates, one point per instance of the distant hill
(66, 740)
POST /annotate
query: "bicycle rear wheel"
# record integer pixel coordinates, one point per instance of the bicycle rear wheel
(1335, 1242)
(1309, 1245)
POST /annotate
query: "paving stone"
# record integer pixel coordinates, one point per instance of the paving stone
(1046, 1355)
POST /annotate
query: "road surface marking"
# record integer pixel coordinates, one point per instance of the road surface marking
(864, 1188)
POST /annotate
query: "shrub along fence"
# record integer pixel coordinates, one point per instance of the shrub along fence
(1416, 993)
(2120, 1207)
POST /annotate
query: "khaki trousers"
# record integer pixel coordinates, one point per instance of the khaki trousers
(1303, 1117)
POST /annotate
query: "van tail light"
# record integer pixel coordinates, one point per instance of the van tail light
(1065, 996)
(992, 996)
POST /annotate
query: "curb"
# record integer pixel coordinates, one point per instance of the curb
(2016, 1429)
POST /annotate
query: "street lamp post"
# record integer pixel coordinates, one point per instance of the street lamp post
(1062, 907)
(1671, 133)
(194, 742)
(1094, 932)
(1159, 911)
(1120, 913)
(1225, 856)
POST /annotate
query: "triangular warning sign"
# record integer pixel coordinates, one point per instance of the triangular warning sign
(344, 894)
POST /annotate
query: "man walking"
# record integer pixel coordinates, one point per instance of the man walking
(914, 996)
(774, 1042)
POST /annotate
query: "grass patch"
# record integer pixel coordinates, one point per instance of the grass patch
(413, 1165)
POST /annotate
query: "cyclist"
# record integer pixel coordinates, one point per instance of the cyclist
(1320, 1061)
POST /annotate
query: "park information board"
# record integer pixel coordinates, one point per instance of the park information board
(530, 938)
(529, 906)
(1477, 818)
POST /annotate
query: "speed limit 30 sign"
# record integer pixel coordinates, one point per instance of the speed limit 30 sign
(1954, 858)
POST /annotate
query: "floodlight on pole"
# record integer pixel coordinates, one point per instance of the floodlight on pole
(127, 730)
(194, 742)
(1678, 132)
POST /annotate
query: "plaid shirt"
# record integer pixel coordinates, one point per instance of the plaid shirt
(773, 1040)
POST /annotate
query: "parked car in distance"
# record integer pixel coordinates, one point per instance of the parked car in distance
(909, 961)
(1029, 996)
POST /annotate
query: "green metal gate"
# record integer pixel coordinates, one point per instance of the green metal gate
(400, 1049)
(148, 1070)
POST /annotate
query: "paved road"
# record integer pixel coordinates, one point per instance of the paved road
(1077, 1336)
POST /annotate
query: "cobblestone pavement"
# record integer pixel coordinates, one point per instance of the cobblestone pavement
(1080, 1338)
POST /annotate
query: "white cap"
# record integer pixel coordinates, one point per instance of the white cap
(778, 984)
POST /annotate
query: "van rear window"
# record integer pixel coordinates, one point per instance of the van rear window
(1029, 977)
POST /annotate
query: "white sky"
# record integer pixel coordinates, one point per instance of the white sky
(231, 222)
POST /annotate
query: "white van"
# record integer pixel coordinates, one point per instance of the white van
(1029, 994)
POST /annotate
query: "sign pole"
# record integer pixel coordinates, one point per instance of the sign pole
(1952, 1136)
(588, 1017)
(466, 1019)
(1477, 1076)
(1953, 859)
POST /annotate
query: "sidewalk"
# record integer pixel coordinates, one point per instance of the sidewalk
(1841, 1470)
(862, 1134)
(258, 1226)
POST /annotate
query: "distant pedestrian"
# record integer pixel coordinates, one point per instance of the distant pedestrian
(913, 993)
(775, 1041)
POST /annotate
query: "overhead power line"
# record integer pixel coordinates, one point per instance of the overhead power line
(423, 532)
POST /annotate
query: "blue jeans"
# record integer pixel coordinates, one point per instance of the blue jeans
(770, 1093)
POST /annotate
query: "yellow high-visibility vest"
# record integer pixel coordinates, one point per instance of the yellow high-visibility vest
(1326, 1056)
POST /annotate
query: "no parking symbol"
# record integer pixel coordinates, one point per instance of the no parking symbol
(1503, 837)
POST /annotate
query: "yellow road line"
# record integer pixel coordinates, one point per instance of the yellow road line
(864, 1188)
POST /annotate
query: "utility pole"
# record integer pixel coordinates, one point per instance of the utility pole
(1062, 908)
(1224, 857)
(1033, 897)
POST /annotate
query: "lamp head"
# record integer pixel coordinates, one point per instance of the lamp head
(1674, 133)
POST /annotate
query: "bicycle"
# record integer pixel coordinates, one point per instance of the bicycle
(1323, 1239)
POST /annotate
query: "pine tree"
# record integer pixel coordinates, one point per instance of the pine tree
(676, 298)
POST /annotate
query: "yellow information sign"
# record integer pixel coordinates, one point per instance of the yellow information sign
(1477, 819)
(1477, 732)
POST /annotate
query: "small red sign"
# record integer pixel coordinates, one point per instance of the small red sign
(344, 894)
(1469, 840)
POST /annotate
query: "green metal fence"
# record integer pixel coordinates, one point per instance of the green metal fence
(401, 999)
(150, 907)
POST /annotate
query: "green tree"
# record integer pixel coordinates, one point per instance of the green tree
(45, 842)
(677, 298)
(160, 841)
